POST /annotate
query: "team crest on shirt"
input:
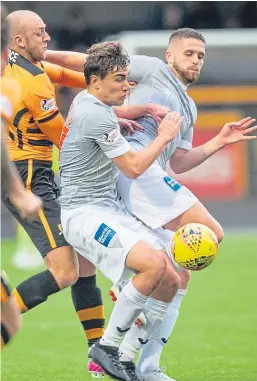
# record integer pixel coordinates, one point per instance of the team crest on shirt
(112, 136)
(48, 104)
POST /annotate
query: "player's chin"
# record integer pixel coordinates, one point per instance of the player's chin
(193, 77)
(42, 55)
(120, 102)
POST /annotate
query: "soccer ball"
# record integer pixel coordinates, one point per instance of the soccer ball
(194, 246)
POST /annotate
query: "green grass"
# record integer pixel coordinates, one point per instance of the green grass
(215, 338)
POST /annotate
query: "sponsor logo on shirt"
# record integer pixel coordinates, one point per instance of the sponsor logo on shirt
(104, 235)
(47, 104)
(12, 56)
(173, 184)
(112, 136)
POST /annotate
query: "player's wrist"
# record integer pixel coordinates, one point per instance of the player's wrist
(163, 139)
(219, 142)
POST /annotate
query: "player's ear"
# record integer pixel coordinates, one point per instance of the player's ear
(19, 41)
(168, 56)
(94, 81)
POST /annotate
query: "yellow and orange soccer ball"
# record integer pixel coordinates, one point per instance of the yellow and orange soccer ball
(194, 246)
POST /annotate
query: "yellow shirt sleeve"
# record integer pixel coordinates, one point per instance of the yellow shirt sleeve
(65, 77)
(41, 102)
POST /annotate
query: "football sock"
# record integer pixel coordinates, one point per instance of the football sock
(138, 337)
(35, 290)
(87, 300)
(128, 306)
(149, 359)
(5, 336)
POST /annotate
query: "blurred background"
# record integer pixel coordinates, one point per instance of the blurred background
(227, 89)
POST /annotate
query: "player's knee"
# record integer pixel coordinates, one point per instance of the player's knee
(66, 277)
(157, 267)
(185, 276)
(172, 280)
(219, 232)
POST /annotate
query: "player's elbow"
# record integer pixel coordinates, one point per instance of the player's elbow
(176, 168)
(131, 173)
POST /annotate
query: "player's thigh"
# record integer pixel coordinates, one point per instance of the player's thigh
(154, 197)
(86, 268)
(103, 238)
(45, 232)
(63, 264)
(199, 214)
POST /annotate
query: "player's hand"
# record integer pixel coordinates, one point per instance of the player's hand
(27, 204)
(170, 125)
(237, 131)
(158, 112)
(128, 127)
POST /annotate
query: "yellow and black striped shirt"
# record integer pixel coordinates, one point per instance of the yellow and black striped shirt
(37, 123)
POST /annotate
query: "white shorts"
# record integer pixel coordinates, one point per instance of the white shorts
(154, 197)
(105, 237)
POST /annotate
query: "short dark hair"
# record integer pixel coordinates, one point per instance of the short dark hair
(103, 57)
(187, 33)
(4, 27)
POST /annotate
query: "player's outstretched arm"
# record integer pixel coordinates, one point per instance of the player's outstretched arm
(70, 60)
(133, 164)
(182, 160)
(65, 77)
(157, 112)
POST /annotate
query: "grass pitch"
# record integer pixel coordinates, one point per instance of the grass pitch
(215, 338)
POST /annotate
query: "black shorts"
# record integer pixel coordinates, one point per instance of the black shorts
(5, 291)
(46, 232)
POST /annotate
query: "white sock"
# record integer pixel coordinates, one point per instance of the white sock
(137, 337)
(149, 359)
(129, 305)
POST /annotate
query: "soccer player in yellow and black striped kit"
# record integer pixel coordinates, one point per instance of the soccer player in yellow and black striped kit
(35, 127)
(26, 202)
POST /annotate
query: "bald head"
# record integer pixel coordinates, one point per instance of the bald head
(27, 35)
(22, 21)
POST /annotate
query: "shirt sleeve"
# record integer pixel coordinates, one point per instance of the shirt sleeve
(187, 139)
(141, 67)
(65, 77)
(105, 131)
(40, 101)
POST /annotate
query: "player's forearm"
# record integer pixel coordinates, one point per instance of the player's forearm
(195, 156)
(147, 156)
(131, 112)
(70, 60)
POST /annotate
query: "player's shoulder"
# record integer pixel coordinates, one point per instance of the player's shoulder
(25, 71)
(145, 60)
(15, 59)
(92, 106)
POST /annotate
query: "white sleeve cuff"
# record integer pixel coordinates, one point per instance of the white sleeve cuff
(118, 151)
(185, 144)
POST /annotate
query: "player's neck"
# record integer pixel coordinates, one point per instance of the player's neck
(22, 53)
(96, 95)
(177, 75)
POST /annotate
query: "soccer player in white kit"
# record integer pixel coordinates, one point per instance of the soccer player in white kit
(94, 219)
(154, 197)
